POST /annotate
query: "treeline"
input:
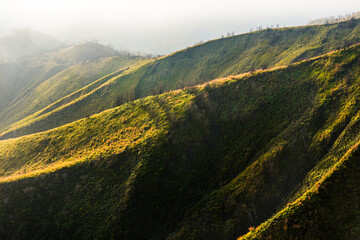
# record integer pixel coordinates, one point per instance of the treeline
(332, 19)
(230, 34)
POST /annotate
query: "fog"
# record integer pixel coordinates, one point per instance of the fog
(160, 26)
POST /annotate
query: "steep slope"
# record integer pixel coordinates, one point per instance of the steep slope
(294, 161)
(44, 80)
(201, 163)
(24, 43)
(218, 58)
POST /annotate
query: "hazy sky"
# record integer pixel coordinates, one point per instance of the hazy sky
(160, 26)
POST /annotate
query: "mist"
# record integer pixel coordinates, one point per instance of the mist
(160, 26)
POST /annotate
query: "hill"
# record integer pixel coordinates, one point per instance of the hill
(207, 162)
(195, 65)
(45, 79)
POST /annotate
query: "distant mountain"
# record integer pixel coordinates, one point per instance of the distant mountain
(23, 43)
(278, 147)
(86, 51)
(188, 67)
(46, 78)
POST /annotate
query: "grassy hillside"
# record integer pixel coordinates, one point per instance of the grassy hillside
(202, 163)
(46, 79)
(218, 58)
(62, 84)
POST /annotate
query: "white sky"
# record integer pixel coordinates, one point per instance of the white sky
(160, 26)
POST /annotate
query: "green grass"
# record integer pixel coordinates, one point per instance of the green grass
(196, 65)
(204, 162)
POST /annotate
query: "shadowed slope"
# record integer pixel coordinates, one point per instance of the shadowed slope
(201, 163)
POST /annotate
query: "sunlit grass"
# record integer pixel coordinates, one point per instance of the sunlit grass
(92, 138)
